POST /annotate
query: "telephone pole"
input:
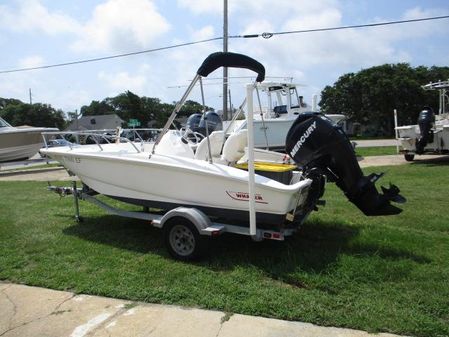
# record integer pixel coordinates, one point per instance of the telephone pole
(31, 99)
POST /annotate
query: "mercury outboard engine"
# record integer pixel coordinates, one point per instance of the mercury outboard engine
(316, 143)
(425, 121)
(214, 123)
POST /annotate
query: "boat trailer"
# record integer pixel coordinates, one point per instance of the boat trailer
(186, 229)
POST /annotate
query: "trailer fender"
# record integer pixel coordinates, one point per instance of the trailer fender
(200, 220)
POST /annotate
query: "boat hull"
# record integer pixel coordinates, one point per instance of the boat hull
(409, 135)
(20, 144)
(167, 182)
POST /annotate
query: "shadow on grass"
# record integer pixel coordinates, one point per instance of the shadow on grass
(438, 161)
(129, 234)
(314, 249)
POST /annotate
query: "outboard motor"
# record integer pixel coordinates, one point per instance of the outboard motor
(315, 142)
(425, 121)
(214, 123)
(193, 122)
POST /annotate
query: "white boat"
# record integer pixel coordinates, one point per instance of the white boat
(276, 108)
(431, 134)
(20, 142)
(239, 189)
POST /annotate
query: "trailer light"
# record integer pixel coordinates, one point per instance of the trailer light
(276, 235)
(215, 233)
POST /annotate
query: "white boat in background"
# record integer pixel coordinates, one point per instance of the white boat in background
(18, 143)
(277, 106)
(222, 184)
(431, 134)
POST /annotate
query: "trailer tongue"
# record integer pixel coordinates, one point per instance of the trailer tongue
(315, 142)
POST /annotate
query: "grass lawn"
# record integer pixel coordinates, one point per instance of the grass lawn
(375, 151)
(342, 269)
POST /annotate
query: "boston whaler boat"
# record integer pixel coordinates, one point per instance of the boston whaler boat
(224, 185)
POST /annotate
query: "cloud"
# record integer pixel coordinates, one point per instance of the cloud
(122, 81)
(31, 61)
(204, 33)
(122, 25)
(32, 16)
(115, 25)
(202, 6)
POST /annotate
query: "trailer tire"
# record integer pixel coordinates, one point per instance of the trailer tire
(409, 157)
(182, 239)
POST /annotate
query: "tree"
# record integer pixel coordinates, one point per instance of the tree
(148, 110)
(370, 95)
(191, 107)
(96, 108)
(38, 114)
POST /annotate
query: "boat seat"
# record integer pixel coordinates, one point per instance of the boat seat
(216, 144)
(234, 147)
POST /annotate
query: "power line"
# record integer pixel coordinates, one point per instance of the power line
(265, 35)
(109, 57)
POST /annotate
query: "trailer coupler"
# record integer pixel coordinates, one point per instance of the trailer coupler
(63, 191)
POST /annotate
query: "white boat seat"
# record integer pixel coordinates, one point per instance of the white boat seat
(216, 144)
(234, 147)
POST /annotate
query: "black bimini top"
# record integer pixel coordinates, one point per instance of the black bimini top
(233, 60)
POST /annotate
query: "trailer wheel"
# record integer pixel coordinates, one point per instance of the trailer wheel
(182, 239)
(409, 157)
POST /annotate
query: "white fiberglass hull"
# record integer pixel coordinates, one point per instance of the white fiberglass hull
(169, 180)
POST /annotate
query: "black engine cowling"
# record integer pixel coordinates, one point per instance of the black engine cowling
(426, 119)
(314, 141)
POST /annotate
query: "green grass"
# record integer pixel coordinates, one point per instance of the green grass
(375, 151)
(342, 269)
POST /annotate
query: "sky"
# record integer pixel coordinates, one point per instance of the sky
(44, 32)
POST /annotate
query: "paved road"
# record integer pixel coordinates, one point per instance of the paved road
(32, 311)
(376, 142)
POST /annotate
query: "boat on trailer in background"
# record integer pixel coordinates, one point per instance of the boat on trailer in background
(277, 106)
(20, 143)
(223, 184)
(431, 134)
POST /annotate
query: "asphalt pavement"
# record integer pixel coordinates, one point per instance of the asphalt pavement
(375, 142)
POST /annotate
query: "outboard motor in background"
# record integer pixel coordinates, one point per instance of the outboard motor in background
(316, 143)
(425, 121)
(193, 122)
(214, 123)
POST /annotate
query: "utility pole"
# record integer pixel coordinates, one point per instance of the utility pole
(225, 69)
(76, 119)
(31, 99)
